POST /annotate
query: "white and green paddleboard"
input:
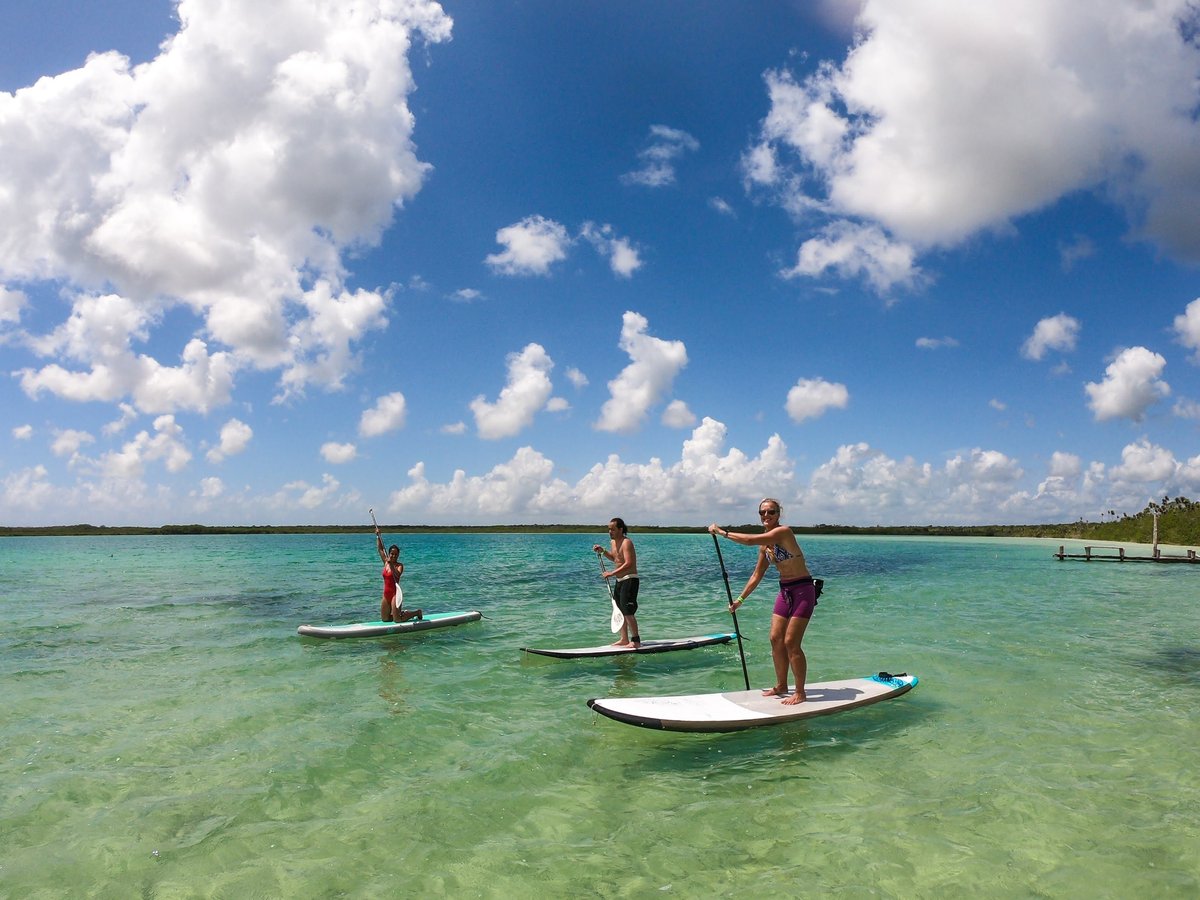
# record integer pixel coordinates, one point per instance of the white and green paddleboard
(666, 645)
(738, 710)
(377, 629)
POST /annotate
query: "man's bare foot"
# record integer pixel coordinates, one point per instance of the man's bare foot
(777, 691)
(794, 700)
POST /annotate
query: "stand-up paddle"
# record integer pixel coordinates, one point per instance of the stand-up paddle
(373, 522)
(732, 612)
(618, 618)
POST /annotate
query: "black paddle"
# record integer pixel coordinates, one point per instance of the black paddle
(732, 612)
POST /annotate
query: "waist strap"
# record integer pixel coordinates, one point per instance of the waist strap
(807, 579)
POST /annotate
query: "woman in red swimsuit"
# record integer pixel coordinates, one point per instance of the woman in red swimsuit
(392, 608)
(796, 600)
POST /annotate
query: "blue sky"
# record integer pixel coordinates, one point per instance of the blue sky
(506, 262)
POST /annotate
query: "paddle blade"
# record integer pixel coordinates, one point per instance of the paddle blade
(617, 619)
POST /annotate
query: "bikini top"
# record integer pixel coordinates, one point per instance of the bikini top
(778, 554)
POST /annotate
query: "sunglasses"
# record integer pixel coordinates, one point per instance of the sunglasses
(768, 512)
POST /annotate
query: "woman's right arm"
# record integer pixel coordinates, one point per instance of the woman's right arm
(760, 569)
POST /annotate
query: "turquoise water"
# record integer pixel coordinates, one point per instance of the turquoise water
(166, 734)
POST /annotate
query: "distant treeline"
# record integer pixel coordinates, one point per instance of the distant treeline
(1178, 523)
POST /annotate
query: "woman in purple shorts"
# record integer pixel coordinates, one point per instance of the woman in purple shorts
(796, 600)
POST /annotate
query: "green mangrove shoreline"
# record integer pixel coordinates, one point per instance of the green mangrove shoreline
(1178, 524)
(85, 530)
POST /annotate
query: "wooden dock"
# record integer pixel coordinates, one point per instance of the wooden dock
(1089, 554)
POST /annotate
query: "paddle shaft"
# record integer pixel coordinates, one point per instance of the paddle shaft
(611, 596)
(737, 629)
(607, 583)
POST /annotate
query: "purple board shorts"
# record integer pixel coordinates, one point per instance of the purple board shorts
(797, 599)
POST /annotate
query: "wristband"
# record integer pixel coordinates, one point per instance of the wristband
(741, 599)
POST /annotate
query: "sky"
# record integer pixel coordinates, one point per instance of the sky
(527, 261)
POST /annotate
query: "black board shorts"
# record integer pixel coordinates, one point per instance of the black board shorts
(625, 596)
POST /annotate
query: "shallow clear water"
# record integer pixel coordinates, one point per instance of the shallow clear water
(165, 733)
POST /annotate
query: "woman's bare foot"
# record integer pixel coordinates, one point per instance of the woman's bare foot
(795, 699)
(622, 644)
(777, 691)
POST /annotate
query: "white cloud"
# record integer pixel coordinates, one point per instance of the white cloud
(642, 383)
(557, 404)
(998, 405)
(235, 436)
(761, 168)
(1065, 465)
(858, 251)
(454, 428)
(809, 398)
(1187, 409)
(32, 491)
(338, 454)
(309, 496)
(928, 343)
(509, 488)
(532, 246)
(861, 478)
(22, 432)
(68, 441)
(336, 320)
(128, 415)
(1187, 328)
(1078, 248)
(231, 196)
(386, 415)
(466, 295)
(984, 467)
(677, 415)
(99, 333)
(1061, 484)
(945, 120)
(576, 377)
(1131, 385)
(524, 395)
(858, 484)
(665, 146)
(973, 487)
(211, 487)
(622, 256)
(12, 303)
(165, 445)
(722, 206)
(1053, 333)
(705, 478)
(1143, 462)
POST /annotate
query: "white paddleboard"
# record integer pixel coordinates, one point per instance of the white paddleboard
(376, 629)
(736, 710)
(663, 646)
